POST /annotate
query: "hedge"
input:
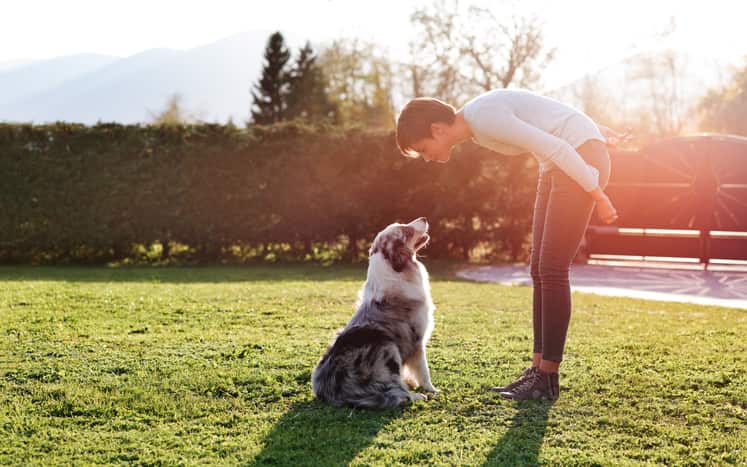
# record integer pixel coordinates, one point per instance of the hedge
(207, 193)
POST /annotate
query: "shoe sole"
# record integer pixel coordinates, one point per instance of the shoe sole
(509, 396)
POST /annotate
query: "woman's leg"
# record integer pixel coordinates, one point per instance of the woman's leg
(538, 223)
(544, 185)
(566, 217)
(569, 210)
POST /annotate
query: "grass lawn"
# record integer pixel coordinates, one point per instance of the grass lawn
(211, 365)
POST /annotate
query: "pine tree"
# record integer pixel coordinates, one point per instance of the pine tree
(307, 97)
(271, 92)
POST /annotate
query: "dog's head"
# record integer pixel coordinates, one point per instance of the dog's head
(398, 243)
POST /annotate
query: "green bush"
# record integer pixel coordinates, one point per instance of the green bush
(207, 192)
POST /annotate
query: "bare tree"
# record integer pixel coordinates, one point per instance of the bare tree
(661, 75)
(596, 102)
(509, 51)
(462, 52)
(436, 57)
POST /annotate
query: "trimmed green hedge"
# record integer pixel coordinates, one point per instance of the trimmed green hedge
(72, 193)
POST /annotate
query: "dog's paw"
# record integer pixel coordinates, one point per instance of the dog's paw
(416, 396)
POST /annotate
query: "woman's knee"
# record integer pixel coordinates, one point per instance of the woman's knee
(550, 272)
(534, 261)
(534, 271)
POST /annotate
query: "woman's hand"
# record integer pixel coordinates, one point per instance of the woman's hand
(605, 210)
(612, 137)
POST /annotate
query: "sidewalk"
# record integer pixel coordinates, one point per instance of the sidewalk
(726, 287)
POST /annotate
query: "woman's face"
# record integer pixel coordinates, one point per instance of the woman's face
(435, 148)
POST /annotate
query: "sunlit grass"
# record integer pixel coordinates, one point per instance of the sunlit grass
(212, 365)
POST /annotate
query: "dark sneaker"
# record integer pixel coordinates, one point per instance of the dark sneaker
(510, 386)
(540, 386)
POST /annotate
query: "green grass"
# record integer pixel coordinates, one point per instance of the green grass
(212, 366)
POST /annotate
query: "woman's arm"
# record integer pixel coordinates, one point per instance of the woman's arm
(564, 156)
(547, 146)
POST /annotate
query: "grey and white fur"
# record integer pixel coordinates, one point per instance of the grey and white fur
(379, 356)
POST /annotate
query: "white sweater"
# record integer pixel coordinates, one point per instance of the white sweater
(512, 121)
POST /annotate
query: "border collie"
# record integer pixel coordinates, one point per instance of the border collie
(379, 356)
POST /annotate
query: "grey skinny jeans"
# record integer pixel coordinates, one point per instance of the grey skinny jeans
(562, 210)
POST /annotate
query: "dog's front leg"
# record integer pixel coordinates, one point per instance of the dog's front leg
(408, 376)
(418, 365)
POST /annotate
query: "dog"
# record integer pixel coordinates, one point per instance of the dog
(381, 351)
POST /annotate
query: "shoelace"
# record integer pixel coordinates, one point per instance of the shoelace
(528, 383)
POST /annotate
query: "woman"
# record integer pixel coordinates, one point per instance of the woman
(574, 170)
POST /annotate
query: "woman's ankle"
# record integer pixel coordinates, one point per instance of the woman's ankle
(536, 359)
(549, 366)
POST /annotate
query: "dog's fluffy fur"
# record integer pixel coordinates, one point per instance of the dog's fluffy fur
(381, 351)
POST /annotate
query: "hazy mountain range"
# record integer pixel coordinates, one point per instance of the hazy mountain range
(214, 82)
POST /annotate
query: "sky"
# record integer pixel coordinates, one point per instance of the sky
(588, 35)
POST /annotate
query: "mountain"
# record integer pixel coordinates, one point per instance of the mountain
(21, 81)
(214, 82)
(7, 65)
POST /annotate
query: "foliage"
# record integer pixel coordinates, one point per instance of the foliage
(359, 82)
(173, 114)
(218, 193)
(291, 91)
(197, 366)
(725, 109)
(307, 97)
(270, 93)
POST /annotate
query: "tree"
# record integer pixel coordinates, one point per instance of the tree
(662, 74)
(461, 53)
(506, 51)
(359, 82)
(436, 57)
(307, 96)
(661, 77)
(725, 109)
(173, 114)
(270, 93)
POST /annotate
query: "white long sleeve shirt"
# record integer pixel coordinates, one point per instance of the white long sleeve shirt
(513, 121)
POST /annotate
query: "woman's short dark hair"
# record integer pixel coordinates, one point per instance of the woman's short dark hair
(414, 122)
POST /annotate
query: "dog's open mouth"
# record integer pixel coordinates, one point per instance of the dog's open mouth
(422, 241)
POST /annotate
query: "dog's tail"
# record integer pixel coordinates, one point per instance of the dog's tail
(365, 375)
(385, 398)
(339, 392)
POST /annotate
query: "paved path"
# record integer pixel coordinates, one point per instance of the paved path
(722, 288)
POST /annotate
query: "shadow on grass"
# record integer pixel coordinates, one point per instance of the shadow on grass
(186, 274)
(312, 433)
(439, 270)
(520, 445)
